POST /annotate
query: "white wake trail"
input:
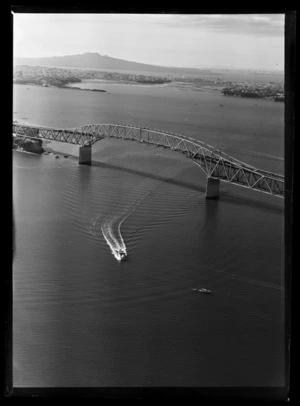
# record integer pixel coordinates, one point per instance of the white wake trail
(115, 245)
(107, 227)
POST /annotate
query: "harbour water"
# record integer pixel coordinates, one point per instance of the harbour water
(82, 318)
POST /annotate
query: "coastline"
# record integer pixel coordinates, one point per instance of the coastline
(28, 144)
(178, 85)
(44, 147)
(59, 87)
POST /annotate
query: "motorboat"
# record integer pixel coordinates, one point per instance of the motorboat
(202, 290)
(123, 255)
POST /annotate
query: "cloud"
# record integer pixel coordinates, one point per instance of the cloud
(162, 39)
(262, 24)
(256, 24)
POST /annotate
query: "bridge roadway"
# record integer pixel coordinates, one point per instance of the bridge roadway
(217, 165)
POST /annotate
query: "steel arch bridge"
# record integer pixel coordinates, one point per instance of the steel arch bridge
(217, 165)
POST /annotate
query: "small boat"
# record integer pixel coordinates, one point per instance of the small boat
(202, 290)
(123, 255)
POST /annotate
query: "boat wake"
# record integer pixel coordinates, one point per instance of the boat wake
(111, 230)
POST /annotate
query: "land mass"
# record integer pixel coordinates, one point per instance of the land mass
(60, 77)
(28, 144)
(67, 70)
(272, 91)
(93, 60)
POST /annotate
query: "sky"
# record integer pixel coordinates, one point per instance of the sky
(249, 41)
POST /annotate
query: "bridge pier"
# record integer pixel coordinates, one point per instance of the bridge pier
(85, 155)
(212, 188)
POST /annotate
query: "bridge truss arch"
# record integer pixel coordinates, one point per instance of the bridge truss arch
(215, 163)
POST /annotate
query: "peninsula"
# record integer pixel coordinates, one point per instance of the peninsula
(61, 77)
(271, 91)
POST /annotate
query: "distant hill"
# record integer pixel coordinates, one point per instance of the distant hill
(91, 60)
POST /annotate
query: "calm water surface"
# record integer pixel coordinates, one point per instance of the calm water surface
(81, 318)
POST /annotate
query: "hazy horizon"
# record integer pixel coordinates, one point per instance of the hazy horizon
(242, 41)
(225, 67)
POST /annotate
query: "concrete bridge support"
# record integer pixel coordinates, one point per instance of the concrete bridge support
(212, 188)
(85, 155)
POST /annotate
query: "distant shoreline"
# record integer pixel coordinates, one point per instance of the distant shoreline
(59, 87)
(191, 86)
